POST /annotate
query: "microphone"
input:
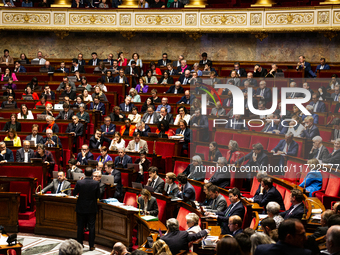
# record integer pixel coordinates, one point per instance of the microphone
(138, 204)
(66, 190)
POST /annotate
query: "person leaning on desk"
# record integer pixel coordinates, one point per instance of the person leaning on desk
(147, 203)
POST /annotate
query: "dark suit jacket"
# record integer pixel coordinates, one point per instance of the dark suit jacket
(61, 115)
(185, 100)
(126, 159)
(111, 127)
(262, 160)
(54, 139)
(159, 185)
(173, 72)
(296, 214)
(90, 63)
(116, 80)
(221, 179)
(4, 102)
(182, 77)
(280, 248)
(40, 139)
(20, 157)
(55, 128)
(152, 206)
(135, 70)
(172, 90)
(223, 219)
(72, 95)
(219, 204)
(179, 240)
(89, 191)
(115, 117)
(118, 179)
(242, 72)
(191, 173)
(101, 107)
(8, 125)
(160, 62)
(173, 191)
(323, 153)
(263, 73)
(94, 144)
(169, 81)
(272, 195)
(53, 187)
(80, 68)
(180, 5)
(107, 79)
(292, 150)
(188, 193)
(311, 133)
(66, 70)
(267, 93)
(237, 232)
(179, 69)
(333, 159)
(79, 129)
(326, 67)
(8, 156)
(169, 118)
(319, 231)
(130, 106)
(187, 134)
(321, 106)
(88, 156)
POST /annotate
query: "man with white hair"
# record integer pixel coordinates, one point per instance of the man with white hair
(183, 67)
(263, 93)
(70, 247)
(333, 240)
(40, 58)
(293, 94)
(311, 130)
(97, 176)
(319, 151)
(25, 153)
(336, 131)
(314, 115)
(119, 249)
(51, 140)
(334, 157)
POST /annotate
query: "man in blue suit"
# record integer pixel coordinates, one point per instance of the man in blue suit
(97, 105)
(109, 59)
(303, 65)
(187, 98)
(292, 237)
(263, 93)
(6, 155)
(84, 155)
(63, 68)
(122, 158)
(18, 68)
(311, 130)
(185, 132)
(237, 123)
(127, 106)
(256, 158)
(318, 106)
(322, 66)
(94, 61)
(297, 209)
(108, 128)
(286, 147)
(186, 190)
(235, 208)
(201, 121)
(314, 115)
(164, 61)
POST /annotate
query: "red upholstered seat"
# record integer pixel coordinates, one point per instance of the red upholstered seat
(198, 191)
(203, 150)
(286, 200)
(326, 135)
(259, 139)
(180, 167)
(300, 149)
(11, 252)
(223, 137)
(226, 198)
(161, 210)
(164, 149)
(130, 199)
(223, 151)
(182, 220)
(235, 180)
(253, 189)
(272, 142)
(331, 193)
(294, 169)
(242, 140)
(252, 223)
(125, 179)
(281, 189)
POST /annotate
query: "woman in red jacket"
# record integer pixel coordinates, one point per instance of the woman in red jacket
(28, 92)
(233, 154)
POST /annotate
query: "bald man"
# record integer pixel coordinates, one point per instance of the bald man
(119, 249)
(333, 239)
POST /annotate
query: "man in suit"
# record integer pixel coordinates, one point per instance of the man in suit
(170, 188)
(235, 225)
(298, 208)
(63, 68)
(34, 136)
(76, 129)
(110, 170)
(259, 71)
(164, 61)
(237, 123)
(155, 181)
(94, 61)
(126, 106)
(293, 95)
(80, 59)
(205, 59)
(176, 4)
(177, 63)
(322, 230)
(336, 93)
(84, 155)
(65, 81)
(69, 93)
(51, 140)
(121, 78)
(109, 59)
(164, 115)
(142, 128)
(314, 115)
(303, 65)
(274, 71)
(18, 68)
(66, 113)
(185, 132)
(59, 185)
(137, 144)
(175, 89)
(164, 104)
(147, 203)
(187, 98)
(133, 71)
(25, 153)
(240, 71)
(185, 77)
(256, 158)
(322, 66)
(185, 190)
(10, 100)
(179, 240)
(108, 78)
(263, 93)
(271, 194)
(50, 69)
(273, 122)
(334, 157)
(97, 176)
(219, 203)
(6, 155)
(311, 130)
(235, 208)
(250, 79)
(98, 139)
(318, 151)
(336, 131)
(88, 192)
(201, 121)
(122, 158)
(108, 128)
(286, 147)
(171, 69)
(150, 117)
(76, 66)
(97, 105)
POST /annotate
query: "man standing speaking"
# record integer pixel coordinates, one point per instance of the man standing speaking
(89, 192)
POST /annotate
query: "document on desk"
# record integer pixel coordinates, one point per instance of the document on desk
(3, 240)
(129, 208)
(149, 218)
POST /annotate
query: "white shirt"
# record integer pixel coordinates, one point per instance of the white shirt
(25, 156)
(34, 139)
(41, 61)
(121, 79)
(136, 146)
(75, 68)
(117, 146)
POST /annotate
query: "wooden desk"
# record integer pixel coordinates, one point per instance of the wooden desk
(9, 204)
(113, 224)
(5, 248)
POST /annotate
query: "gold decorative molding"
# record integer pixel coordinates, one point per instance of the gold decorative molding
(261, 35)
(263, 3)
(95, 19)
(194, 35)
(59, 18)
(128, 35)
(330, 2)
(336, 19)
(306, 18)
(25, 18)
(191, 19)
(159, 20)
(323, 17)
(223, 19)
(125, 19)
(61, 34)
(129, 4)
(330, 35)
(62, 3)
(256, 19)
(196, 4)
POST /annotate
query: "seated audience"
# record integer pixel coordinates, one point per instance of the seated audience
(142, 87)
(273, 210)
(48, 110)
(121, 78)
(318, 151)
(200, 121)
(155, 181)
(62, 68)
(43, 102)
(82, 114)
(8, 74)
(62, 85)
(259, 238)
(84, 84)
(66, 113)
(111, 170)
(142, 128)
(218, 110)
(104, 157)
(46, 156)
(84, 155)
(313, 180)
(235, 225)
(170, 188)
(336, 131)
(137, 144)
(150, 117)
(185, 132)
(116, 115)
(171, 69)
(96, 105)
(86, 96)
(163, 129)
(194, 170)
(127, 105)
(117, 142)
(286, 147)
(99, 93)
(76, 129)
(50, 95)
(12, 136)
(50, 124)
(334, 157)
(12, 124)
(98, 139)
(147, 203)
(133, 94)
(108, 128)
(150, 78)
(219, 203)
(220, 178)
(72, 163)
(122, 159)
(185, 190)
(182, 115)
(134, 116)
(143, 163)
(318, 106)
(10, 100)
(311, 130)
(295, 126)
(25, 153)
(59, 185)
(51, 140)
(34, 136)
(127, 129)
(166, 78)
(6, 155)
(263, 93)
(214, 152)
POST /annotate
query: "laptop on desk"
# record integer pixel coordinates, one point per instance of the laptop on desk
(92, 162)
(35, 62)
(110, 179)
(149, 188)
(23, 62)
(9, 143)
(5, 79)
(40, 107)
(137, 185)
(9, 106)
(78, 176)
(41, 116)
(43, 70)
(27, 97)
(36, 160)
(151, 134)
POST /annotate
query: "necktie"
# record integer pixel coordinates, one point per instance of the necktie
(292, 95)
(126, 109)
(107, 129)
(176, 5)
(336, 98)
(65, 116)
(262, 91)
(152, 184)
(169, 189)
(59, 188)
(185, 81)
(315, 106)
(228, 211)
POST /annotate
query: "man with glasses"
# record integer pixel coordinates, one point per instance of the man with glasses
(51, 140)
(25, 153)
(97, 176)
(6, 155)
(59, 185)
(84, 155)
(76, 129)
(164, 61)
(151, 116)
(10, 100)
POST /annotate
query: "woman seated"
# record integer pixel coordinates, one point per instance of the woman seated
(166, 78)
(214, 152)
(323, 94)
(147, 103)
(193, 227)
(104, 157)
(101, 84)
(133, 94)
(46, 156)
(150, 78)
(82, 114)
(233, 154)
(147, 203)
(163, 129)
(84, 84)
(42, 102)
(142, 87)
(296, 111)
(155, 99)
(134, 116)
(295, 126)
(144, 165)
(273, 210)
(77, 76)
(121, 60)
(29, 92)
(100, 68)
(98, 92)
(12, 124)
(196, 69)
(25, 113)
(135, 57)
(182, 115)
(8, 74)
(10, 84)
(155, 70)
(12, 136)
(313, 180)
(48, 110)
(117, 142)
(208, 200)
(34, 84)
(79, 101)
(86, 96)
(194, 170)
(50, 124)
